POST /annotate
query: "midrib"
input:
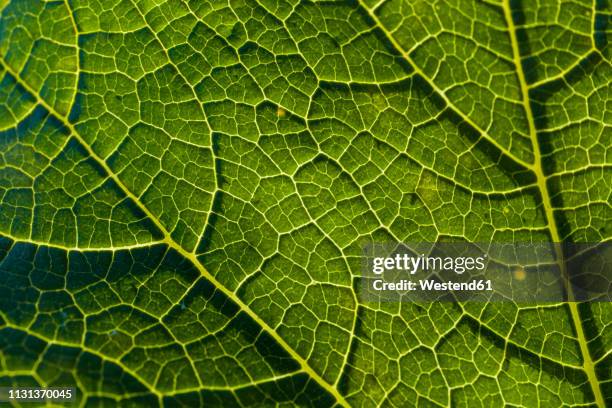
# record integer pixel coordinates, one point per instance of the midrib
(588, 364)
(536, 167)
(305, 367)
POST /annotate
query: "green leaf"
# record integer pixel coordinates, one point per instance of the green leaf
(186, 189)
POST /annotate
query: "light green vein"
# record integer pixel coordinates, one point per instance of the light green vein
(588, 365)
(440, 92)
(536, 167)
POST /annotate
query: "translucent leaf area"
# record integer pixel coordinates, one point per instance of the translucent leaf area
(187, 186)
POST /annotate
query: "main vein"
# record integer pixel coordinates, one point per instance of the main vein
(536, 167)
(173, 244)
(588, 365)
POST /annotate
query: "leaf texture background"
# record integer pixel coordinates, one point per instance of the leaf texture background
(186, 188)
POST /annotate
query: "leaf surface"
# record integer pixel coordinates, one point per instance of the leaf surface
(186, 189)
